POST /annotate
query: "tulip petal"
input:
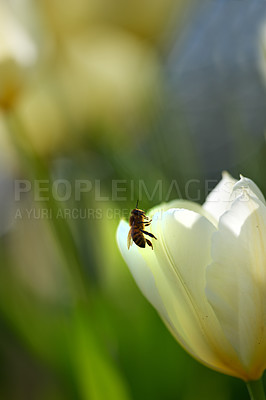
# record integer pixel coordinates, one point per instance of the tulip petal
(250, 187)
(189, 205)
(139, 262)
(236, 279)
(220, 200)
(139, 268)
(182, 252)
(185, 204)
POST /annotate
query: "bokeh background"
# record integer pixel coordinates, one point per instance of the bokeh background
(110, 91)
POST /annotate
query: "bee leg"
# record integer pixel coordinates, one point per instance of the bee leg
(149, 243)
(148, 220)
(147, 223)
(148, 233)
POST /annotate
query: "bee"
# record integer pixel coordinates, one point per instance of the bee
(137, 222)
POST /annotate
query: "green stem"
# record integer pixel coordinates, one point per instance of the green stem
(256, 390)
(62, 230)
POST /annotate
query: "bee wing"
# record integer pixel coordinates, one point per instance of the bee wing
(129, 239)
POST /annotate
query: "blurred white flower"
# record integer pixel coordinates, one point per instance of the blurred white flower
(207, 275)
(44, 120)
(146, 18)
(17, 53)
(107, 77)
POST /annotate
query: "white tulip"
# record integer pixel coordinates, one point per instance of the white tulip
(206, 276)
(17, 54)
